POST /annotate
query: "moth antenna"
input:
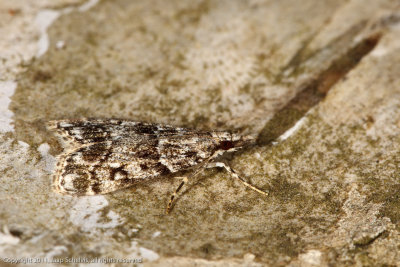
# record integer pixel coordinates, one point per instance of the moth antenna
(235, 175)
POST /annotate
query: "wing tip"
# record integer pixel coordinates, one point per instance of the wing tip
(52, 125)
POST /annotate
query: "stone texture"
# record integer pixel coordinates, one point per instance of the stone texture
(333, 179)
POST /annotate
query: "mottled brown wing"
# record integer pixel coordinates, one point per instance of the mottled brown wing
(115, 161)
(88, 131)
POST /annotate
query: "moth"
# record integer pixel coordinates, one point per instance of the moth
(104, 155)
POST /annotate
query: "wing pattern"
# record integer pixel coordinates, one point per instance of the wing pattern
(104, 155)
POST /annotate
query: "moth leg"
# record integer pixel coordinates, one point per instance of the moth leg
(235, 175)
(184, 180)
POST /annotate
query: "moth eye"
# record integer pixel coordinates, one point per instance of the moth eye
(225, 145)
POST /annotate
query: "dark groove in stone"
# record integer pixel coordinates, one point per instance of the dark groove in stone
(315, 91)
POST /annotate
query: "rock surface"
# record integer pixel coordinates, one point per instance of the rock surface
(317, 81)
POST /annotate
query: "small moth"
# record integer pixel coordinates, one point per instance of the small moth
(104, 155)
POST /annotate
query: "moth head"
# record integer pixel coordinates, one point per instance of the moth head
(231, 141)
